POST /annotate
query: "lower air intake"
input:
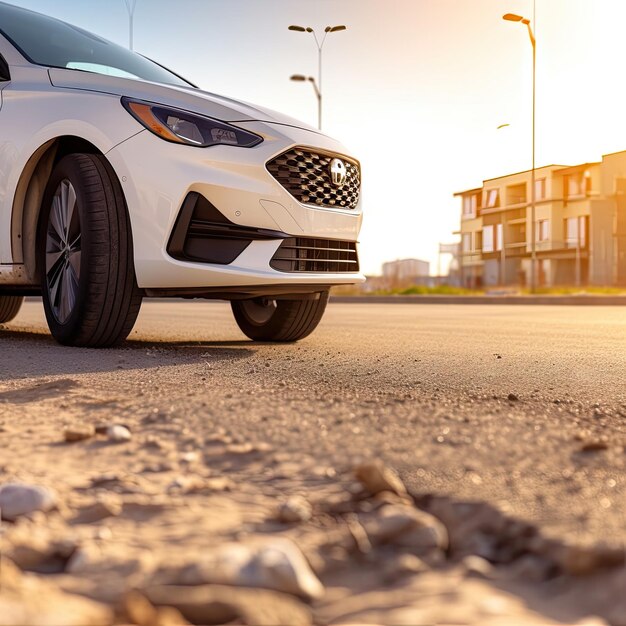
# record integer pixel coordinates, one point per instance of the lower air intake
(305, 254)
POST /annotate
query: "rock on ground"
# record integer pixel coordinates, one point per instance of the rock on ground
(118, 434)
(276, 564)
(376, 477)
(295, 509)
(407, 527)
(220, 604)
(79, 432)
(18, 499)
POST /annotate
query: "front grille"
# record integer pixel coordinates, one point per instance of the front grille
(305, 254)
(306, 176)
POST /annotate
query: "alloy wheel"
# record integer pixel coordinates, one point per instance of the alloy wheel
(63, 251)
(260, 310)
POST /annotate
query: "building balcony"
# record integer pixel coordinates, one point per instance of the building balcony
(524, 247)
(471, 258)
(501, 209)
(553, 245)
(544, 249)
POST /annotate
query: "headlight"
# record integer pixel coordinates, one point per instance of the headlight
(188, 128)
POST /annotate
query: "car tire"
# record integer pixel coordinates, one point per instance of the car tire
(9, 307)
(89, 289)
(265, 319)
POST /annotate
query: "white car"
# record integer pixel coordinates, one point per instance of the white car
(121, 180)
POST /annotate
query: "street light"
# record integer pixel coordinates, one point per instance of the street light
(300, 78)
(502, 224)
(130, 7)
(320, 44)
(512, 17)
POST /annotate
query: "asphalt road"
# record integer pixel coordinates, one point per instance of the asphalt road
(492, 403)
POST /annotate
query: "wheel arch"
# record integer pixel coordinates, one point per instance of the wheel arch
(29, 194)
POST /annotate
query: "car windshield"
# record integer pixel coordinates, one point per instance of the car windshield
(47, 41)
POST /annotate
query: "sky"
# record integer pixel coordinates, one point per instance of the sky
(416, 89)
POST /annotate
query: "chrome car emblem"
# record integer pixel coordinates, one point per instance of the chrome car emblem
(338, 172)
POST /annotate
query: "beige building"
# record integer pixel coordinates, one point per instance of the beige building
(580, 226)
(404, 272)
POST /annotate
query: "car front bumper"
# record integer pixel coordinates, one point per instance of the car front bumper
(156, 177)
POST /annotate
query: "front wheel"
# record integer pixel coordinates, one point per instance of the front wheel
(90, 294)
(266, 319)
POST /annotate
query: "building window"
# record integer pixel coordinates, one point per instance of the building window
(543, 230)
(573, 185)
(470, 205)
(499, 236)
(478, 240)
(578, 184)
(467, 242)
(491, 198)
(540, 189)
(576, 232)
(488, 240)
(516, 194)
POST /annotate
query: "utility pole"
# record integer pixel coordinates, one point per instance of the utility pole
(130, 7)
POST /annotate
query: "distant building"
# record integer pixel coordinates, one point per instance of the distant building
(580, 226)
(453, 276)
(405, 272)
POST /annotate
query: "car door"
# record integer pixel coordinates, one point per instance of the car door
(10, 62)
(4, 173)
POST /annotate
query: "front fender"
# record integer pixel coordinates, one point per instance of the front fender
(30, 120)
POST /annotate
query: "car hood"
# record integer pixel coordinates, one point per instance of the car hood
(190, 99)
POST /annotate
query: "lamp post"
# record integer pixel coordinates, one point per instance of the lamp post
(130, 7)
(502, 274)
(300, 78)
(511, 17)
(320, 44)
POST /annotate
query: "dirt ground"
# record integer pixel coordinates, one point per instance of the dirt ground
(192, 476)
